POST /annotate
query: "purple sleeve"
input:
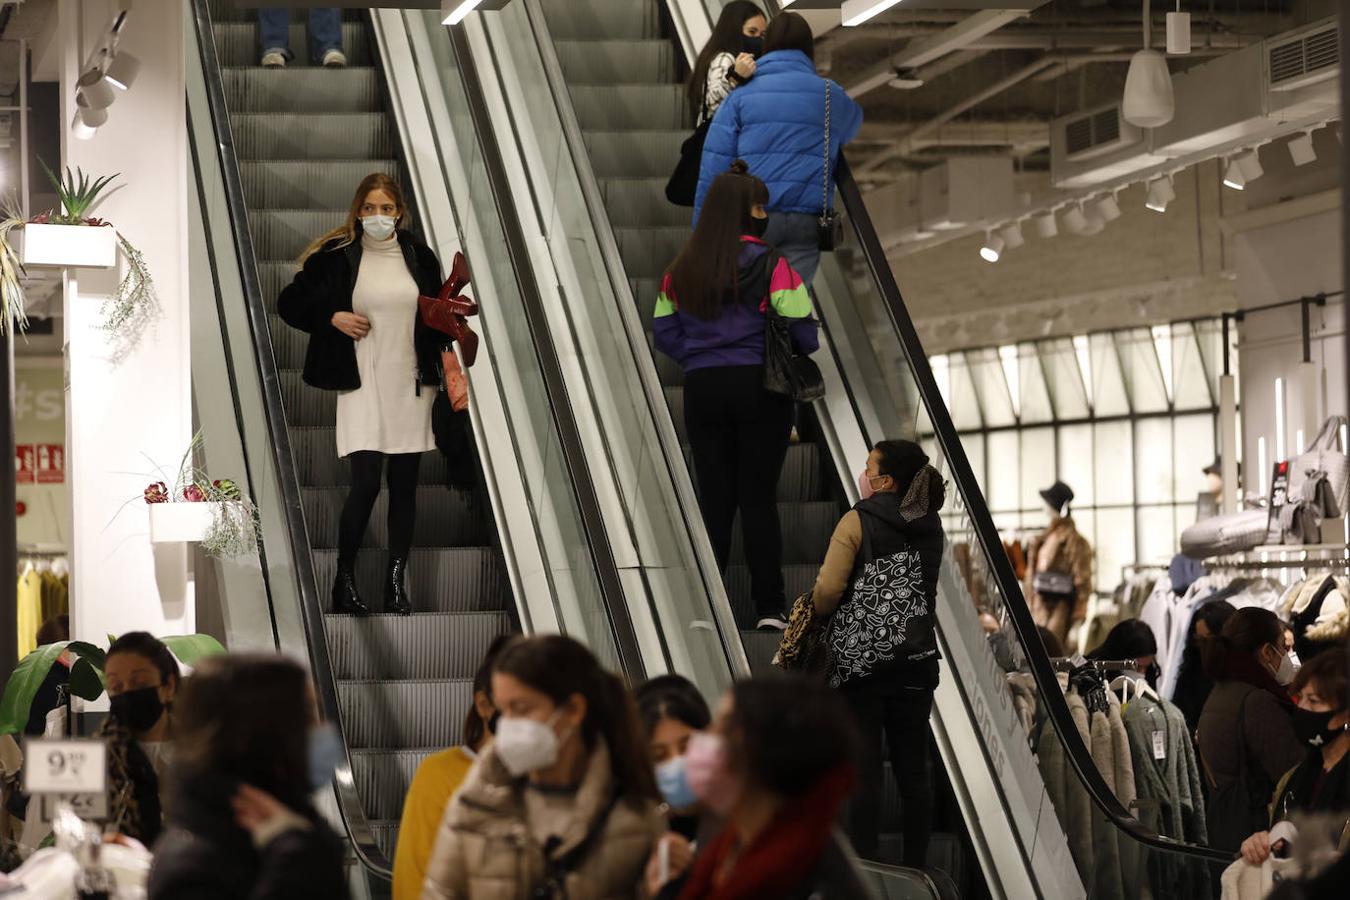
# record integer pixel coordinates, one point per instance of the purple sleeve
(805, 335)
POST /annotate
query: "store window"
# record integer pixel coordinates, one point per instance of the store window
(1127, 418)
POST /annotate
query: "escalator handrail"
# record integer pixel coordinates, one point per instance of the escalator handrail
(354, 819)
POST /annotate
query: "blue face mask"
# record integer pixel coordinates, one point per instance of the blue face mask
(673, 781)
(325, 754)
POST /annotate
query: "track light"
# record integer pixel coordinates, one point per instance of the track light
(81, 131)
(1012, 236)
(1046, 226)
(993, 247)
(95, 90)
(1075, 221)
(1160, 193)
(1250, 164)
(1301, 149)
(1107, 209)
(856, 12)
(1093, 224)
(122, 71)
(1233, 177)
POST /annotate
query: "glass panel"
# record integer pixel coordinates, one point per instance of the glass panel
(1035, 406)
(1076, 463)
(1157, 534)
(1143, 374)
(986, 371)
(1191, 385)
(1108, 387)
(1114, 546)
(1153, 461)
(1194, 449)
(974, 444)
(1004, 471)
(1038, 465)
(965, 402)
(1064, 379)
(1113, 462)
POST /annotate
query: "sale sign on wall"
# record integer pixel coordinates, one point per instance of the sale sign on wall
(25, 464)
(51, 463)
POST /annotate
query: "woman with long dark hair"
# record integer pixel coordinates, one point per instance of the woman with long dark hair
(1193, 685)
(251, 751)
(710, 317)
(1131, 639)
(356, 297)
(727, 61)
(1246, 735)
(563, 801)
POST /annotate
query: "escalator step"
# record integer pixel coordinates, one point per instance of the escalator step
(306, 405)
(288, 344)
(640, 202)
(299, 184)
(386, 834)
(234, 11)
(420, 646)
(806, 532)
(645, 292)
(658, 107)
(797, 579)
(454, 579)
(634, 154)
(404, 714)
(282, 234)
(315, 449)
(760, 646)
(312, 90)
(603, 19)
(273, 278)
(286, 135)
(382, 778)
(617, 61)
(671, 372)
(445, 518)
(648, 250)
(237, 44)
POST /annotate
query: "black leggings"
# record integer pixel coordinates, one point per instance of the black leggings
(901, 714)
(367, 466)
(739, 433)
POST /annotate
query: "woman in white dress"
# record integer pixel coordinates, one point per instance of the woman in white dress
(356, 296)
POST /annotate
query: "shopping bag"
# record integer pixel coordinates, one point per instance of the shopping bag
(1324, 459)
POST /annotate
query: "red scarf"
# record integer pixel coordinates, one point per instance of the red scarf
(782, 856)
(1246, 667)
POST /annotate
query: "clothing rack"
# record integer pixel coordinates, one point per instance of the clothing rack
(1069, 663)
(1258, 565)
(1136, 568)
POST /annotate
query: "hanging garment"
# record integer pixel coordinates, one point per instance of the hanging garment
(1062, 786)
(1243, 881)
(1117, 870)
(29, 610)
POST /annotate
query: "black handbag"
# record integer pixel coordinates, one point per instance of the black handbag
(830, 225)
(683, 183)
(786, 371)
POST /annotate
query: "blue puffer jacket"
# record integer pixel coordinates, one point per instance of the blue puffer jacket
(776, 123)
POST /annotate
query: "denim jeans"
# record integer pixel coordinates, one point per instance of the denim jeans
(797, 237)
(325, 30)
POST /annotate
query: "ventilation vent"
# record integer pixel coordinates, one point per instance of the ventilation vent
(1094, 133)
(1306, 59)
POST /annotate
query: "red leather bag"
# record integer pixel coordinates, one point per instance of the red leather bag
(456, 382)
(448, 313)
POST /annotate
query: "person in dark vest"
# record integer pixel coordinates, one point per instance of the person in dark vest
(893, 533)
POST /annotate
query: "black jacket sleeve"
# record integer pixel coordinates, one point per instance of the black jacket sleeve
(428, 342)
(307, 303)
(296, 865)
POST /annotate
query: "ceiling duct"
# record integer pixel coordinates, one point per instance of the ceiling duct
(953, 195)
(1304, 57)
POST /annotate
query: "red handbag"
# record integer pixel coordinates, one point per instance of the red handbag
(448, 312)
(456, 382)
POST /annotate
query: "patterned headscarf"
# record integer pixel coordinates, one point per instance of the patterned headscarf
(926, 494)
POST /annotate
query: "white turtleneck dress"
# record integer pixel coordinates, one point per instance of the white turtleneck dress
(385, 413)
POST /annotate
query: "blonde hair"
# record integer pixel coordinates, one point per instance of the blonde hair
(345, 233)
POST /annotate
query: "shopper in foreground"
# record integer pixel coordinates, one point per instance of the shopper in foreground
(563, 802)
(250, 753)
(879, 584)
(710, 317)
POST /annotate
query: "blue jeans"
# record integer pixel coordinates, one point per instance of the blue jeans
(325, 31)
(796, 236)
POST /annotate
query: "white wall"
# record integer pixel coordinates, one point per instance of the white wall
(124, 420)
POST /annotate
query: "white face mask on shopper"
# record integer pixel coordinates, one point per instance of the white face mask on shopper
(526, 745)
(378, 227)
(1286, 671)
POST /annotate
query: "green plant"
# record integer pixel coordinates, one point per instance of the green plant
(77, 193)
(11, 269)
(134, 306)
(86, 673)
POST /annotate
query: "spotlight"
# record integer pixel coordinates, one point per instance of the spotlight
(1012, 236)
(1093, 225)
(1075, 221)
(993, 247)
(1046, 226)
(79, 130)
(96, 91)
(1301, 149)
(1178, 33)
(1160, 193)
(1250, 164)
(122, 71)
(1107, 209)
(1233, 177)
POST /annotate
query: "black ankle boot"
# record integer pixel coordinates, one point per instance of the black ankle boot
(346, 599)
(395, 593)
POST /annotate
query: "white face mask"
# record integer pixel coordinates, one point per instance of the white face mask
(378, 227)
(1287, 669)
(526, 745)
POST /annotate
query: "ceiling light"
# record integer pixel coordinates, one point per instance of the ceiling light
(95, 89)
(1093, 224)
(454, 11)
(79, 130)
(856, 12)
(993, 247)
(1012, 236)
(1148, 101)
(1074, 220)
(1107, 209)
(1160, 193)
(1250, 164)
(906, 80)
(1178, 33)
(1233, 177)
(1301, 149)
(1046, 226)
(122, 71)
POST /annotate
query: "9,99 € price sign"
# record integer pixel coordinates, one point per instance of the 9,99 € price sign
(65, 766)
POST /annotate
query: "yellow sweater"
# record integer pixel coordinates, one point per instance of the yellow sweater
(435, 782)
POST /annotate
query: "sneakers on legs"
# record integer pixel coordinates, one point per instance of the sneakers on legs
(772, 623)
(274, 59)
(334, 59)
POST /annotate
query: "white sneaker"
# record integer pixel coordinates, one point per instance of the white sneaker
(772, 623)
(334, 59)
(274, 59)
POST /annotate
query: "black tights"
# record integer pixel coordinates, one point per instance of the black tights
(367, 466)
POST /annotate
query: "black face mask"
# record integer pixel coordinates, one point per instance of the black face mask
(757, 227)
(752, 45)
(138, 710)
(1314, 728)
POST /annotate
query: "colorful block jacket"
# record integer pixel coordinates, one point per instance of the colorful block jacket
(736, 337)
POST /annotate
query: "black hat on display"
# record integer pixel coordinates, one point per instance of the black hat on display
(1057, 496)
(1216, 467)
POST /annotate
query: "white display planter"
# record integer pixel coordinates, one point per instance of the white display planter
(86, 246)
(181, 522)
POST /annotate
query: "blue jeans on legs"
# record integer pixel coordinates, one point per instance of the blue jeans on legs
(796, 235)
(325, 30)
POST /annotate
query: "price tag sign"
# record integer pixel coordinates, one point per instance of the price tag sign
(65, 767)
(92, 807)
